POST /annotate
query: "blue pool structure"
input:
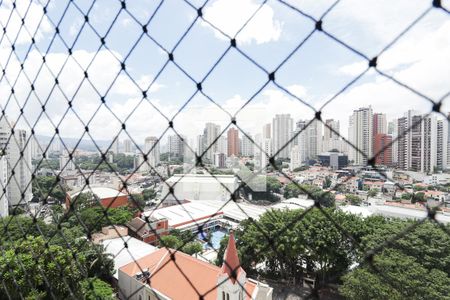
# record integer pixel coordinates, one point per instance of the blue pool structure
(216, 236)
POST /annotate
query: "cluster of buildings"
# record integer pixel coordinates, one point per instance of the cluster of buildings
(146, 272)
(415, 141)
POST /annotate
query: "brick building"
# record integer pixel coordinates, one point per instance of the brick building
(148, 232)
(383, 156)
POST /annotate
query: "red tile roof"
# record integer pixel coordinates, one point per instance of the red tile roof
(231, 264)
(185, 277)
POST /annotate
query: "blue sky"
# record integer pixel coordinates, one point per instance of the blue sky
(317, 71)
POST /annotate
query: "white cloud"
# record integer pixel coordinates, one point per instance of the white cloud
(33, 26)
(121, 98)
(353, 69)
(370, 25)
(231, 15)
(297, 90)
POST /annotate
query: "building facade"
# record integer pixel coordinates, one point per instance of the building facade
(360, 135)
(176, 146)
(210, 140)
(383, 149)
(282, 128)
(4, 203)
(233, 142)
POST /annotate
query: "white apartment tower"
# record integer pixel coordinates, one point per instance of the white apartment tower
(247, 145)
(379, 124)
(360, 135)
(282, 127)
(442, 142)
(308, 139)
(19, 163)
(115, 146)
(296, 159)
(331, 138)
(266, 153)
(176, 146)
(422, 142)
(393, 131)
(314, 139)
(151, 148)
(210, 143)
(127, 146)
(4, 204)
(65, 163)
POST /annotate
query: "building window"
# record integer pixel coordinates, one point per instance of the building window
(223, 295)
(228, 296)
(140, 297)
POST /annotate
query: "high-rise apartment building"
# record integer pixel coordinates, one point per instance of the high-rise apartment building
(314, 139)
(211, 135)
(360, 135)
(331, 138)
(115, 146)
(393, 132)
(19, 164)
(266, 153)
(421, 142)
(383, 149)
(35, 149)
(301, 141)
(296, 158)
(282, 128)
(4, 202)
(247, 145)
(65, 163)
(199, 145)
(127, 146)
(176, 146)
(233, 142)
(151, 148)
(267, 131)
(442, 143)
(219, 160)
(379, 124)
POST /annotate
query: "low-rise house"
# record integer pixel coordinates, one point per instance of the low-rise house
(148, 229)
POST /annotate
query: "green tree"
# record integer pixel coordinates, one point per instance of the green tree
(171, 241)
(25, 264)
(395, 275)
(15, 227)
(192, 248)
(221, 251)
(137, 200)
(149, 194)
(418, 197)
(95, 289)
(353, 199)
(178, 170)
(302, 168)
(327, 182)
(406, 196)
(325, 198)
(45, 187)
(296, 238)
(372, 192)
(273, 184)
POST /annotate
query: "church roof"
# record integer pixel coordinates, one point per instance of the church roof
(231, 264)
(184, 277)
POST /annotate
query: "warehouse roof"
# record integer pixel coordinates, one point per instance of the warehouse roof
(101, 192)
